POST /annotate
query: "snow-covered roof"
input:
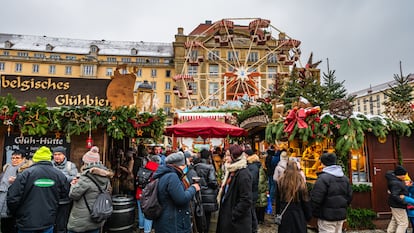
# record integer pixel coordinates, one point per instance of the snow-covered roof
(379, 88)
(79, 46)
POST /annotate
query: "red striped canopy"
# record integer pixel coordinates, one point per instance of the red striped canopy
(205, 128)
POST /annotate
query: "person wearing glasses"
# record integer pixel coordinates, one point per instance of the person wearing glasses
(10, 170)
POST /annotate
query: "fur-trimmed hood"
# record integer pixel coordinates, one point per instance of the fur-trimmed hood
(253, 158)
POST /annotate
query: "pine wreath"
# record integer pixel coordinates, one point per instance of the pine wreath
(341, 107)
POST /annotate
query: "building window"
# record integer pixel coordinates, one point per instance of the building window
(6, 53)
(167, 99)
(94, 49)
(111, 59)
(272, 58)
(52, 69)
(168, 73)
(167, 110)
(214, 55)
(232, 55)
(39, 55)
(72, 58)
(359, 166)
(192, 70)
(35, 68)
(214, 103)
(153, 73)
(140, 60)
(139, 73)
(2, 66)
(68, 70)
(155, 61)
(253, 57)
(213, 70)
(19, 67)
(55, 57)
(108, 71)
(167, 85)
(154, 85)
(134, 51)
(88, 70)
(271, 72)
(22, 54)
(213, 88)
(193, 86)
(126, 59)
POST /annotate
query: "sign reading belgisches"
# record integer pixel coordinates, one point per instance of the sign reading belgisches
(57, 91)
(29, 144)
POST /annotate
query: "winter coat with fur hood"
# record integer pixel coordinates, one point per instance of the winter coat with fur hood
(79, 219)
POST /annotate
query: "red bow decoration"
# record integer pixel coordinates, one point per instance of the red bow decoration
(295, 116)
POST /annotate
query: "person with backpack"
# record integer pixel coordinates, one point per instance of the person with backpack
(34, 196)
(69, 170)
(142, 180)
(174, 194)
(84, 192)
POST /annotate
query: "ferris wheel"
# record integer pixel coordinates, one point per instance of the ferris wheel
(234, 58)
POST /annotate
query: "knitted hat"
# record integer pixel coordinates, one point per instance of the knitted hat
(400, 171)
(176, 158)
(328, 159)
(42, 154)
(92, 156)
(59, 149)
(249, 152)
(235, 151)
(284, 155)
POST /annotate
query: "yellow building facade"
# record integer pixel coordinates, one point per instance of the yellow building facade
(223, 61)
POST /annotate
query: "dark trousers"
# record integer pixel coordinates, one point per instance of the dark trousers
(8, 225)
(260, 214)
(62, 218)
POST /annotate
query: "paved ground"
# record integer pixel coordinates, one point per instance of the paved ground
(269, 227)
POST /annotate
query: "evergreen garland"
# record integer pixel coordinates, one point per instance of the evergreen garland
(35, 118)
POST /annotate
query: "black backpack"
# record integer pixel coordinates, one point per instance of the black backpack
(143, 177)
(150, 205)
(102, 207)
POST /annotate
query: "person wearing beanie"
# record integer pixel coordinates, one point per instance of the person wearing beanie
(330, 202)
(70, 171)
(397, 189)
(235, 195)
(83, 188)
(34, 196)
(174, 194)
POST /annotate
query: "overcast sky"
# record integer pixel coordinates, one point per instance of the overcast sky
(363, 39)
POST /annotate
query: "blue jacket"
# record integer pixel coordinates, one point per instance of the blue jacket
(175, 200)
(34, 196)
(410, 200)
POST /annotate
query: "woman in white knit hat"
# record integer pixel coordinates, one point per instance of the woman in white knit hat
(83, 186)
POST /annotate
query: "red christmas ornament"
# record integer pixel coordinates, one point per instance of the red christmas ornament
(89, 142)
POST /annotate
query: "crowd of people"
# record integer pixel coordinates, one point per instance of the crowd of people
(209, 191)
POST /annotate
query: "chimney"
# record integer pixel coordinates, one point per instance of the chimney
(180, 31)
(208, 22)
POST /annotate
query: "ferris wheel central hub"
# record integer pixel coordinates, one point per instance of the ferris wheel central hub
(242, 73)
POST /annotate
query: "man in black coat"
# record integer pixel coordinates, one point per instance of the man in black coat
(35, 194)
(331, 195)
(396, 187)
